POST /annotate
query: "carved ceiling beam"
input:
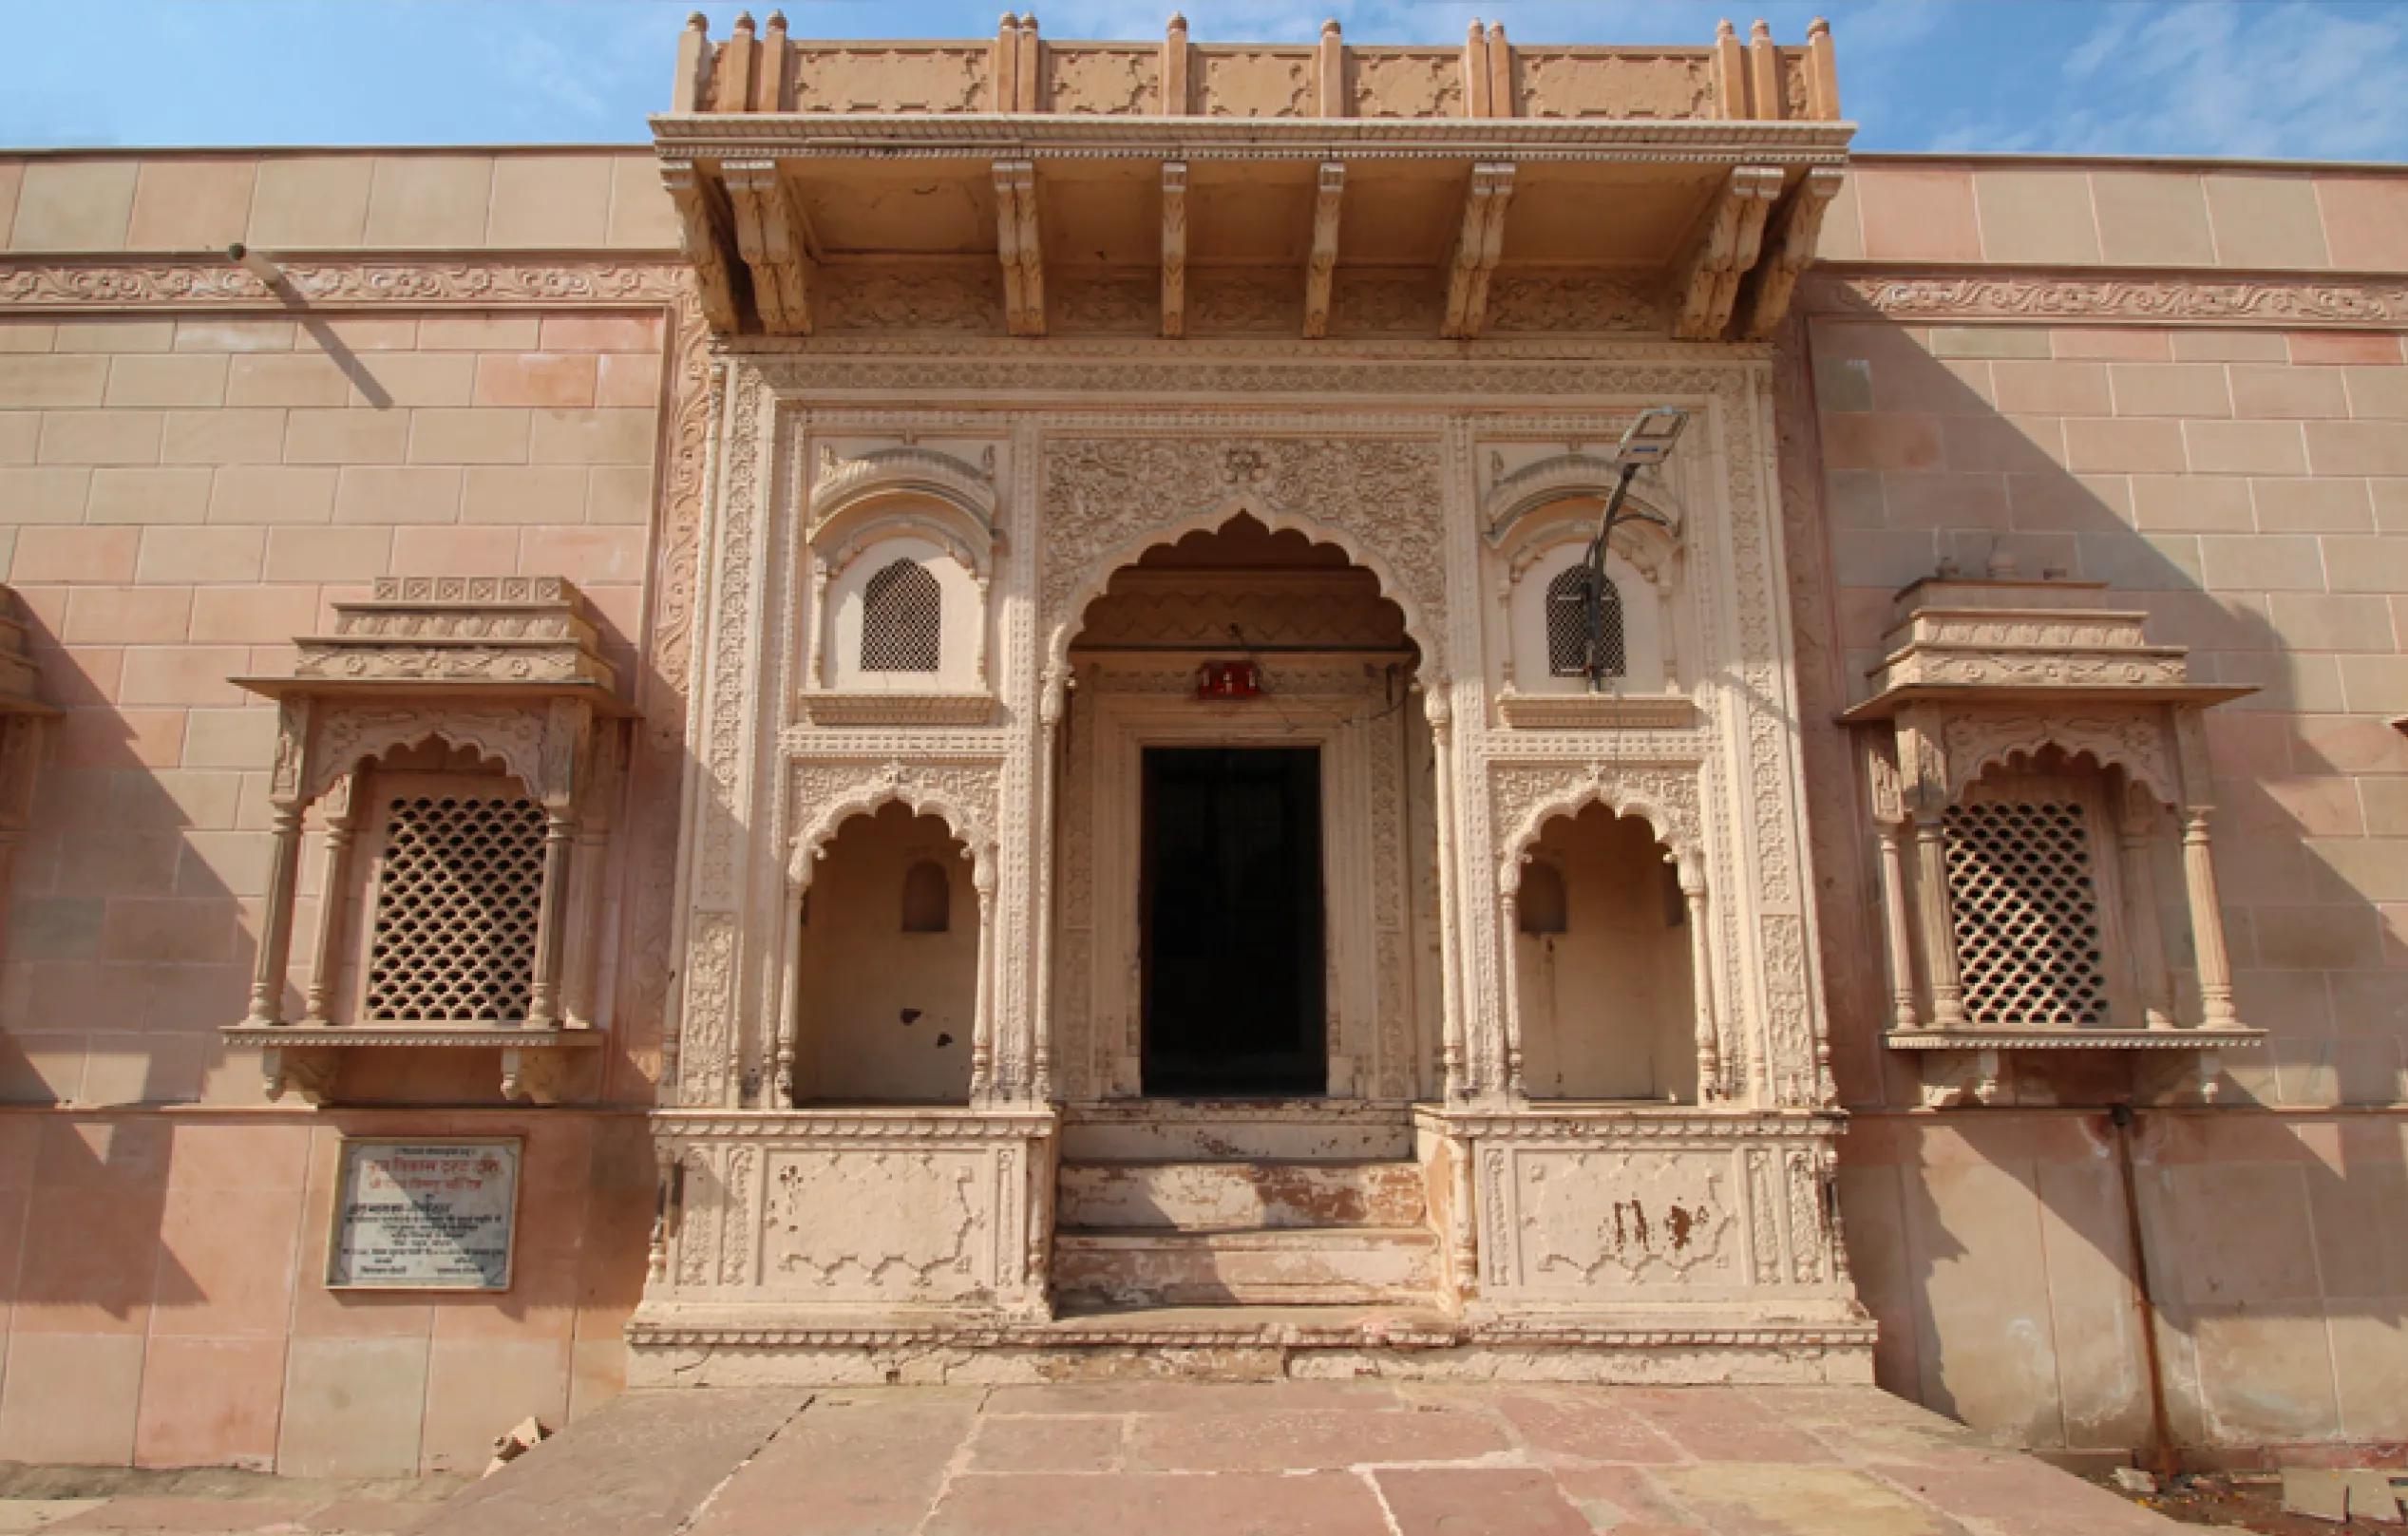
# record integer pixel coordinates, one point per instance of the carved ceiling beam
(1477, 247)
(1320, 268)
(1722, 252)
(1791, 247)
(702, 223)
(1020, 246)
(1175, 247)
(769, 231)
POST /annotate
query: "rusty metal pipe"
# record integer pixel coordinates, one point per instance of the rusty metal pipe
(2158, 1454)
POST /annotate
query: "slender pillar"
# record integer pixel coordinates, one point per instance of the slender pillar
(276, 941)
(2206, 922)
(1709, 1018)
(978, 661)
(543, 990)
(1938, 932)
(789, 997)
(579, 950)
(982, 1006)
(1048, 736)
(342, 828)
(815, 664)
(1509, 902)
(1898, 929)
(1441, 712)
(2136, 837)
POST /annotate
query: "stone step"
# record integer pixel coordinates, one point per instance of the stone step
(1208, 1197)
(1208, 1131)
(1340, 1267)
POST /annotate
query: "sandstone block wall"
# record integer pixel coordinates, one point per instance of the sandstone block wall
(181, 491)
(2246, 485)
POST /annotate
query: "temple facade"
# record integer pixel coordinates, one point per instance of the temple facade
(1026, 711)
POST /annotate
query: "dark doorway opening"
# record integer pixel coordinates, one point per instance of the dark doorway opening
(1231, 912)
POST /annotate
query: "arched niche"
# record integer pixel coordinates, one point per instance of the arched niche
(1604, 983)
(886, 992)
(1642, 561)
(890, 509)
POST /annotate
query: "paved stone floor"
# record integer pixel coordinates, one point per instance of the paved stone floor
(1279, 1459)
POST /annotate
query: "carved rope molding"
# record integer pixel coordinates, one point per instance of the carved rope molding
(2242, 298)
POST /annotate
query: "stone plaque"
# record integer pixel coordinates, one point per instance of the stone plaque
(433, 1215)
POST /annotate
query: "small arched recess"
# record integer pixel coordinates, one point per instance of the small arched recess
(902, 554)
(1540, 541)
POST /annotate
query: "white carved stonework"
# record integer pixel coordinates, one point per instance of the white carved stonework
(1976, 740)
(1109, 498)
(905, 1224)
(827, 794)
(1528, 795)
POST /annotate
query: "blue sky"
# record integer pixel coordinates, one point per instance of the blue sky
(2296, 79)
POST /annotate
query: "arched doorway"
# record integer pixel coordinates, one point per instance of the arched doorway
(1246, 831)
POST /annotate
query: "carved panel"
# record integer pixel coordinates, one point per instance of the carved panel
(892, 80)
(1256, 82)
(1525, 796)
(888, 299)
(1593, 1221)
(1093, 80)
(828, 793)
(908, 1224)
(2134, 742)
(1557, 303)
(2232, 300)
(1664, 86)
(1422, 83)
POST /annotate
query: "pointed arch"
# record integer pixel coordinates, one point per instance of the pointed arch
(922, 793)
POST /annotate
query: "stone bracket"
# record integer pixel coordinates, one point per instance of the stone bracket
(769, 236)
(1321, 266)
(1020, 246)
(1796, 228)
(703, 227)
(1478, 244)
(1174, 249)
(1723, 250)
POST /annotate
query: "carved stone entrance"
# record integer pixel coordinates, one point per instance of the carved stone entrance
(1232, 931)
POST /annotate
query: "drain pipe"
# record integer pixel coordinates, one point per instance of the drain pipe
(2158, 1454)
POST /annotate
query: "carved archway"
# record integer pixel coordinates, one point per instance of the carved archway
(1070, 617)
(1665, 799)
(919, 792)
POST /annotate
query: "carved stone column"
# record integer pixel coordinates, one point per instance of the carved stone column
(1939, 929)
(1898, 926)
(543, 990)
(1509, 901)
(983, 1005)
(1709, 1018)
(342, 826)
(1440, 709)
(790, 997)
(1051, 698)
(2206, 922)
(275, 939)
(815, 663)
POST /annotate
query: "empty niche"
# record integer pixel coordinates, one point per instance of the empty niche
(887, 969)
(1602, 958)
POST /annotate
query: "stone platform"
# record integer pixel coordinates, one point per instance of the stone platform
(1312, 1458)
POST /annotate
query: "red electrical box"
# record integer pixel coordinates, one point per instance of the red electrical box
(1228, 680)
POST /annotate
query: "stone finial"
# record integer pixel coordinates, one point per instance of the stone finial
(1722, 30)
(1819, 26)
(1329, 28)
(2001, 565)
(697, 22)
(744, 23)
(777, 21)
(1761, 32)
(1178, 27)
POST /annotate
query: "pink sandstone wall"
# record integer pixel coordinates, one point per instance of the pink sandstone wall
(181, 492)
(2247, 485)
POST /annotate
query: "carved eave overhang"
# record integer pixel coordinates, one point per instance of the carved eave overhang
(2013, 642)
(1102, 223)
(500, 639)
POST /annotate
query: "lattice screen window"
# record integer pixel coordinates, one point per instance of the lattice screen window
(902, 620)
(2025, 898)
(1567, 624)
(454, 936)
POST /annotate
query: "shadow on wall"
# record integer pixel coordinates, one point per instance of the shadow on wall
(1994, 1243)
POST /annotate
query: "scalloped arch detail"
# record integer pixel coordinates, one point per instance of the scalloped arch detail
(1537, 484)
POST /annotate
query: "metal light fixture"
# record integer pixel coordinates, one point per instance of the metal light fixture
(1648, 441)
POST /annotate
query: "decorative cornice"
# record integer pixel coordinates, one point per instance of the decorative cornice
(485, 1036)
(816, 1128)
(434, 280)
(2359, 302)
(2040, 1039)
(1624, 1127)
(833, 708)
(1595, 711)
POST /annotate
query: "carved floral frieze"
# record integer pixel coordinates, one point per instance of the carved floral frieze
(2190, 299)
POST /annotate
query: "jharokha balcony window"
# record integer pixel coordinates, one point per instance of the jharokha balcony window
(2039, 776)
(454, 746)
